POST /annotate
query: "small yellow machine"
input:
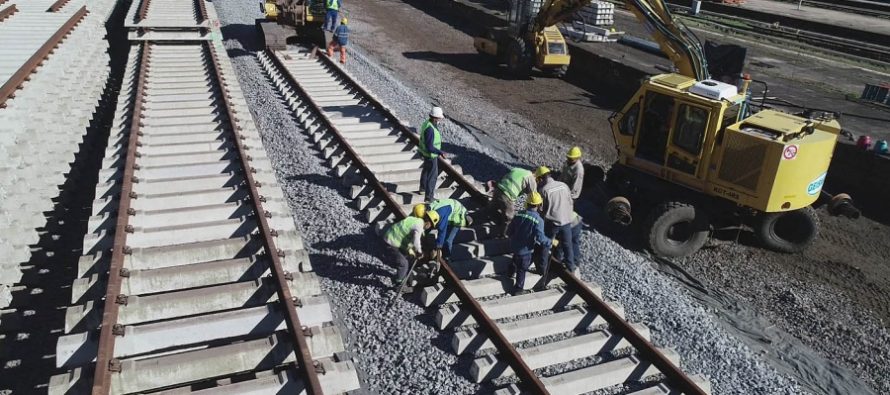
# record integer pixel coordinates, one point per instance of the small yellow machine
(286, 19)
(531, 38)
(694, 157)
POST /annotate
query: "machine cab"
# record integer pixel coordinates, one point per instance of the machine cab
(669, 128)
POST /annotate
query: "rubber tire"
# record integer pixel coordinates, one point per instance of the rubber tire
(519, 58)
(663, 217)
(805, 225)
(559, 72)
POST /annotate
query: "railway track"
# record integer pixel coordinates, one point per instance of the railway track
(208, 287)
(560, 339)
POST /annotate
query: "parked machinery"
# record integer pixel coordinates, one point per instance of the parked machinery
(694, 157)
(287, 19)
(531, 38)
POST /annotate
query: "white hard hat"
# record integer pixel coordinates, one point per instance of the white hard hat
(436, 112)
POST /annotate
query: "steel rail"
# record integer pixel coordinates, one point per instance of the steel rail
(57, 5)
(142, 13)
(15, 81)
(202, 11)
(105, 361)
(504, 347)
(7, 12)
(675, 376)
(301, 348)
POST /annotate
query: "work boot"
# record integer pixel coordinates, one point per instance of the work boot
(576, 272)
(406, 289)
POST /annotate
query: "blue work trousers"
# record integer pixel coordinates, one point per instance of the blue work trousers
(566, 247)
(449, 239)
(521, 264)
(330, 20)
(429, 174)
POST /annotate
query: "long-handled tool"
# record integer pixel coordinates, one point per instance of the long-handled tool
(398, 288)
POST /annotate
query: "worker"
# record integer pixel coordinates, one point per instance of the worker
(403, 239)
(526, 232)
(557, 211)
(573, 172)
(500, 208)
(339, 41)
(453, 217)
(430, 148)
(330, 17)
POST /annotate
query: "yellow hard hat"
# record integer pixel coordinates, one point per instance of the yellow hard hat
(343, 20)
(574, 153)
(541, 171)
(419, 210)
(534, 199)
(433, 216)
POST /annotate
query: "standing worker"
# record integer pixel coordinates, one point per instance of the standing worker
(558, 213)
(330, 17)
(573, 172)
(526, 232)
(403, 239)
(514, 184)
(452, 217)
(340, 39)
(430, 148)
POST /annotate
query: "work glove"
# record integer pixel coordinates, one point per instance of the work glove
(555, 243)
(412, 254)
(436, 254)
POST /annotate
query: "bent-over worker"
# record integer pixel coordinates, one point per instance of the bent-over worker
(452, 217)
(403, 239)
(430, 148)
(526, 232)
(501, 209)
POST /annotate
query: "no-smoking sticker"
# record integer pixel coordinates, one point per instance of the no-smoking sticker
(790, 152)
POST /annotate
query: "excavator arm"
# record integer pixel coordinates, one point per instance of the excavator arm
(674, 39)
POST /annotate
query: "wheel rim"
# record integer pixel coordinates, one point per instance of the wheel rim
(792, 228)
(679, 233)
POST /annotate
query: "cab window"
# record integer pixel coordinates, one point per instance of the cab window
(556, 49)
(690, 130)
(628, 124)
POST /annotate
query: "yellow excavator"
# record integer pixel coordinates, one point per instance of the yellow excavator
(693, 156)
(287, 19)
(531, 38)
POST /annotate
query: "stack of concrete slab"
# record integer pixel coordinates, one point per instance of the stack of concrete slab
(44, 126)
(593, 24)
(598, 13)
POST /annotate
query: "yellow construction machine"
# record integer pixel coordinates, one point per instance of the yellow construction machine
(287, 19)
(694, 157)
(531, 38)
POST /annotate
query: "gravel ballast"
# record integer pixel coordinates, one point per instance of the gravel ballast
(397, 350)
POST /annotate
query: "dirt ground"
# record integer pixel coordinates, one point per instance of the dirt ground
(835, 297)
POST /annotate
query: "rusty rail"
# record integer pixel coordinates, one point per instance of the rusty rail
(7, 91)
(202, 11)
(301, 347)
(7, 12)
(142, 13)
(105, 361)
(505, 348)
(57, 5)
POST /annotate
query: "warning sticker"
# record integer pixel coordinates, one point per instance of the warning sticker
(790, 152)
